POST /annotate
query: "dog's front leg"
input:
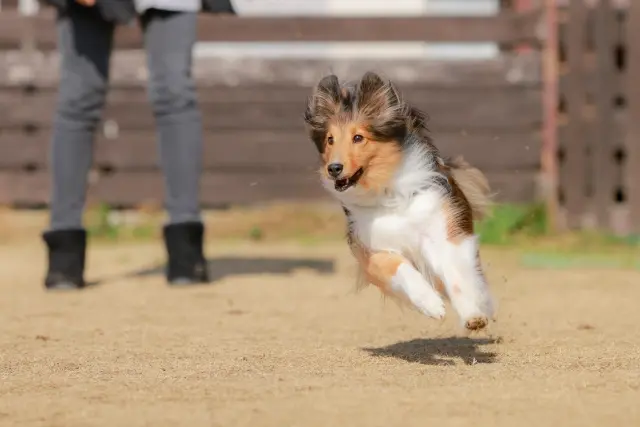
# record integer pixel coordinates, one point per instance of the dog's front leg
(457, 261)
(394, 275)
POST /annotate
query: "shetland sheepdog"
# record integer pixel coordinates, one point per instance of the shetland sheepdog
(410, 212)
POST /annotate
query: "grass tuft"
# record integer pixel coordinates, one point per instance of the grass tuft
(507, 222)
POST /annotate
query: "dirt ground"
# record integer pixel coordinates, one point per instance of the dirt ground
(282, 340)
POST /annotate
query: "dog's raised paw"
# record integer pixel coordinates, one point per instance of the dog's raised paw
(476, 323)
(431, 305)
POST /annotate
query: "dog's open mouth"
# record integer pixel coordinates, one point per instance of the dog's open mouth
(346, 183)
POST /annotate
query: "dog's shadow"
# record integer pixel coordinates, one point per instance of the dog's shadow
(438, 351)
(220, 268)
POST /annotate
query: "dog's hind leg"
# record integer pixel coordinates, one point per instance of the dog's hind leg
(395, 276)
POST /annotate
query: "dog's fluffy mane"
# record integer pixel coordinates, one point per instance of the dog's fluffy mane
(379, 104)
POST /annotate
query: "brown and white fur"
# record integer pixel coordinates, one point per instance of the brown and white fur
(410, 211)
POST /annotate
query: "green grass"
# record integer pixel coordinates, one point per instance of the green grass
(507, 223)
(587, 260)
(522, 228)
(102, 226)
(510, 224)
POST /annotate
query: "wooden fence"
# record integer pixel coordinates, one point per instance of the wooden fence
(255, 146)
(599, 115)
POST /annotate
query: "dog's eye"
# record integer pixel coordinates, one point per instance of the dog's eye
(357, 138)
(330, 140)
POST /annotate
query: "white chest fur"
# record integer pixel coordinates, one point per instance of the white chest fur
(401, 228)
(409, 211)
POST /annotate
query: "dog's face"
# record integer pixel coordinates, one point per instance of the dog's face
(358, 131)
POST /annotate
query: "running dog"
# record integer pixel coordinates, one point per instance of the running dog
(410, 211)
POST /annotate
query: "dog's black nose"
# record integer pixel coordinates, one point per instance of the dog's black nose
(335, 169)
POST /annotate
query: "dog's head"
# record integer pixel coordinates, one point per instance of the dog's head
(359, 130)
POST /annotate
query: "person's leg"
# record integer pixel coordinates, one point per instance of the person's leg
(84, 43)
(169, 38)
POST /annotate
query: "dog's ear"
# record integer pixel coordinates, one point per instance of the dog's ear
(375, 95)
(380, 103)
(323, 103)
(325, 98)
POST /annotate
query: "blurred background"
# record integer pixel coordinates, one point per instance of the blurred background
(538, 94)
(534, 93)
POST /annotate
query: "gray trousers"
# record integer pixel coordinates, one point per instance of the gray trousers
(85, 42)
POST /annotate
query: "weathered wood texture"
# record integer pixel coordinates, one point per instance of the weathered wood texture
(273, 108)
(9, 5)
(128, 70)
(255, 145)
(573, 174)
(507, 28)
(219, 188)
(253, 127)
(631, 176)
(596, 134)
(548, 158)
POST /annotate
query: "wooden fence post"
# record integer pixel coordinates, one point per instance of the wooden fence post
(575, 163)
(550, 115)
(632, 170)
(601, 140)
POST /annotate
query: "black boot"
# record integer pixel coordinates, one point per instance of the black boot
(184, 243)
(66, 258)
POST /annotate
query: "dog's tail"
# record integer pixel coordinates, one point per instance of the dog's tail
(473, 184)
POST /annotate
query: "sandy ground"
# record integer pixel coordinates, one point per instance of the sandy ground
(281, 340)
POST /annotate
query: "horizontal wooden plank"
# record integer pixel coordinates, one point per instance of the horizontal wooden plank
(266, 150)
(619, 4)
(219, 188)
(9, 5)
(278, 94)
(515, 186)
(259, 150)
(449, 110)
(505, 28)
(506, 152)
(129, 69)
(137, 188)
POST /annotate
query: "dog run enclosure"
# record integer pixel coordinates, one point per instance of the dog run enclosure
(599, 114)
(552, 117)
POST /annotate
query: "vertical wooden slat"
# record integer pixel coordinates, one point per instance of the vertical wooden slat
(550, 114)
(28, 9)
(575, 155)
(621, 17)
(632, 145)
(522, 6)
(620, 213)
(562, 122)
(602, 143)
